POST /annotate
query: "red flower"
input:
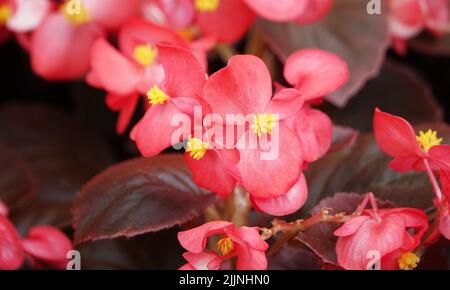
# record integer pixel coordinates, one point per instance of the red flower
(60, 47)
(314, 73)
(303, 11)
(444, 205)
(244, 243)
(392, 233)
(179, 92)
(396, 137)
(134, 70)
(44, 245)
(244, 88)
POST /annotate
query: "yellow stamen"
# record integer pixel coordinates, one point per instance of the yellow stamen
(263, 123)
(408, 261)
(156, 96)
(196, 148)
(145, 54)
(225, 246)
(428, 139)
(76, 12)
(207, 5)
(5, 13)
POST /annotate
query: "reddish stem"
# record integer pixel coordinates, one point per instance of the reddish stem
(433, 180)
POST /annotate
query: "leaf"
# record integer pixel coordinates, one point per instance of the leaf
(138, 196)
(363, 168)
(294, 258)
(320, 238)
(343, 137)
(17, 182)
(62, 152)
(359, 38)
(397, 90)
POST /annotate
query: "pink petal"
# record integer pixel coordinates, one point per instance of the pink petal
(61, 51)
(440, 157)
(314, 131)
(184, 75)
(203, 261)
(395, 135)
(280, 10)
(286, 103)
(111, 14)
(114, 71)
(154, 131)
(315, 73)
(444, 224)
(286, 204)
(249, 259)
(47, 244)
(244, 86)
(445, 182)
(209, 173)
(438, 19)
(406, 17)
(126, 107)
(28, 15)
(228, 23)
(404, 165)
(258, 174)
(137, 32)
(251, 236)
(351, 226)
(11, 252)
(194, 240)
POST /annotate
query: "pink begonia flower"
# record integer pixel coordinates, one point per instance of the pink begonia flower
(396, 137)
(60, 47)
(244, 243)
(392, 233)
(178, 93)
(132, 70)
(11, 251)
(244, 88)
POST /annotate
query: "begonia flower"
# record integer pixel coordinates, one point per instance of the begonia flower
(244, 88)
(392, 233)
(60, 47)
(132, 70)
(178, 93)
(244, 244)
(11, 251)
(396, 137)
(444, 205)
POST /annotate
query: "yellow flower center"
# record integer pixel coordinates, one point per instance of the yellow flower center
(207, 5)
(196, 148)
(225, 246)
(145, 54)
(76, 12)
(408, 261)
(428, 139)
(156, 96)
(188, 33)
(5, 13)
(263, 123)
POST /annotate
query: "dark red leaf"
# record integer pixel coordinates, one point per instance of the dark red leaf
(294, 258)
(412, 99)
(62, 152)
(359, 38)
(428, 44)
(17, 182)
(138, 196)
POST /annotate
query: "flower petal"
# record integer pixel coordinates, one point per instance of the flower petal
(286, 204)
(315, 73)
(194, 240)
(280, 10)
